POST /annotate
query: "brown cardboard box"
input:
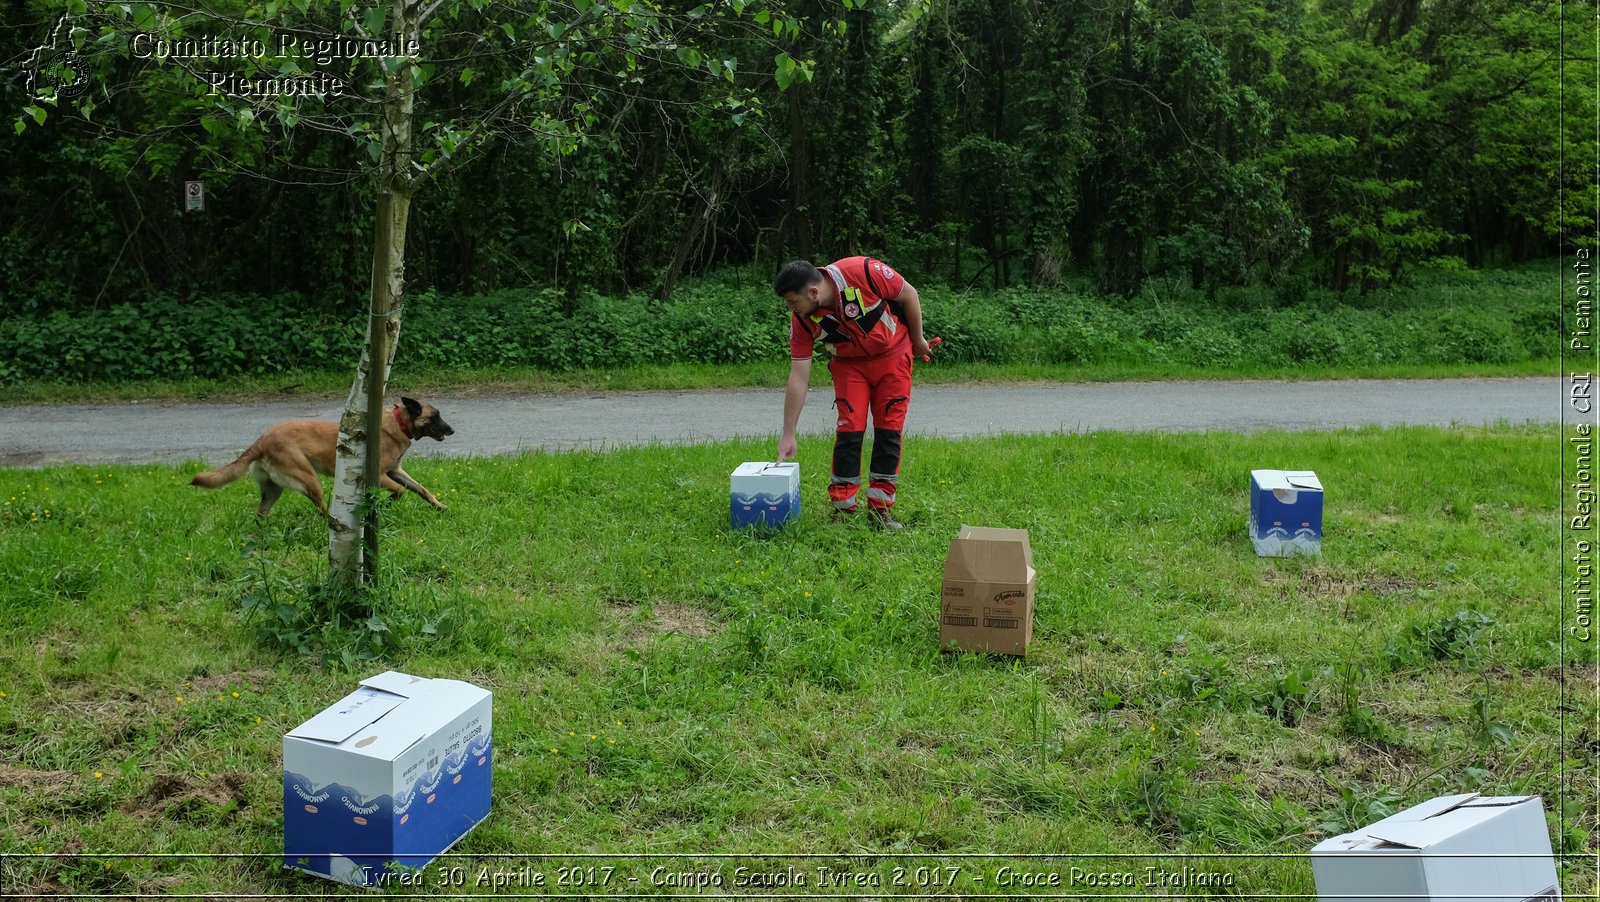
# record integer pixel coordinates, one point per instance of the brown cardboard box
(987, 601)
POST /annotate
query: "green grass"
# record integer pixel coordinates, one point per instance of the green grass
(466, 382)
(663, 684)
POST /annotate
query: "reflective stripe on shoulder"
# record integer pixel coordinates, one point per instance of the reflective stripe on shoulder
(839, 284)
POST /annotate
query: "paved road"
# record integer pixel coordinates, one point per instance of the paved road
(147, 432)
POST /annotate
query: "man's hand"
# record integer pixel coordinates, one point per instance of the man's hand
(919, 348)
(787, 447)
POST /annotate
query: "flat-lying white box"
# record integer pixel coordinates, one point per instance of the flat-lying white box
(1449, 849)
(395, 772)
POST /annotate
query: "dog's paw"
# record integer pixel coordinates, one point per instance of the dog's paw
(440, 505)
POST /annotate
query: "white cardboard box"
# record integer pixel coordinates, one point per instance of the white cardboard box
(396, 771)
(1449, 849)
(1285, 512)
(764, 494)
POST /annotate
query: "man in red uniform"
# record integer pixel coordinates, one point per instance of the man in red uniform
(847, 306)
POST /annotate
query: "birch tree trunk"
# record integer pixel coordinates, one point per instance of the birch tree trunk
(353, 539)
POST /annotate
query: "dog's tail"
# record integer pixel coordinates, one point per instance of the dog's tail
(221, 476)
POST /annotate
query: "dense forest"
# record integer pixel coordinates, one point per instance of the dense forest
(990, 143)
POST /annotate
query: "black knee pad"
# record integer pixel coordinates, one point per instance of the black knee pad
(885, 450)
(847, 454)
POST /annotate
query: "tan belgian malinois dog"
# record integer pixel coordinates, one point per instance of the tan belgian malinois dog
(295, 453)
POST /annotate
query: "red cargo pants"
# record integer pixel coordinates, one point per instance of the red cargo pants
(881, 386)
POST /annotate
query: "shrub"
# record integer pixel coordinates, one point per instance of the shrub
(729, 320)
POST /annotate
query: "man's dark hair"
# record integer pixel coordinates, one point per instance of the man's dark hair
(796, 275)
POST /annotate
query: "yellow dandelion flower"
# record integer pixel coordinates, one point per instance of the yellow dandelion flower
(612, 741)
(258, 721)
(236, 695)
(808, 594)
(98, 775)
(180, 698)
(554, 750)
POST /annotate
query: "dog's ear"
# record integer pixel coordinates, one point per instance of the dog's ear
(412, 407)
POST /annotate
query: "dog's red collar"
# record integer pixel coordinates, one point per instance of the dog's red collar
(404, 429)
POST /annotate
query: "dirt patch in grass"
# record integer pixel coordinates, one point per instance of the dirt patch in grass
(226, 682)
(640, 624)
(918, 744)
(171, 793)
(1385, 757)
(38, 781)
(1579, 674)
(1327, 582)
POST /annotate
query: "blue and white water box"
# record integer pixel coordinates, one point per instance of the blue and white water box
(1285, 512)
(395, 772)
(765, 494)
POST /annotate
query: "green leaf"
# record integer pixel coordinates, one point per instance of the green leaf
(509, 29)
(375, 150)
(466, 75)
(785, 71)
(19, 126)
(374, 18)
(36, 112)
